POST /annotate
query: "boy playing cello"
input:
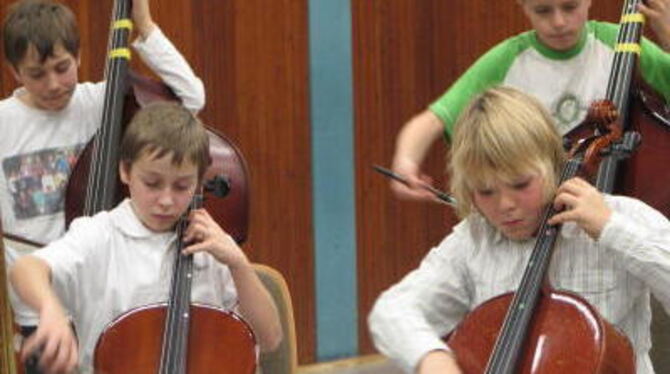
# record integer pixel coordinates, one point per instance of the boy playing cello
(114, 261)
(506, 158)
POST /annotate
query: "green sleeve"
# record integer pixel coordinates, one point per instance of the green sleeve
(489, 70)
(655, 68)
(654, 62)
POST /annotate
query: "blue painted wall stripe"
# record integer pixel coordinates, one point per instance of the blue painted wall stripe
(333, 182)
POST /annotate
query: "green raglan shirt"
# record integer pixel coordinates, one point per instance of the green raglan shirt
(565, 82)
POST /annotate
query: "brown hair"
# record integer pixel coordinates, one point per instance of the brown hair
(42, 24)
(502, 135)
(162, 128)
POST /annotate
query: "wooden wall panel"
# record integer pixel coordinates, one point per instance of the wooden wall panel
(252, 57)
(406, 53)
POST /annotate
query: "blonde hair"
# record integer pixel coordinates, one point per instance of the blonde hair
(162, 128)
(503, 134)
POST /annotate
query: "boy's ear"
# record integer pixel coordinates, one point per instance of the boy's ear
(15, 73)
(124, 172)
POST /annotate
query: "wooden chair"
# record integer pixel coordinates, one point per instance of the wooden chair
(660, 338)
(7, 354)
(283, 360)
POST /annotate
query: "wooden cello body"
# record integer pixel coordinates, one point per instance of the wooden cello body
(219, 342)
(567, 336)
(177, 337)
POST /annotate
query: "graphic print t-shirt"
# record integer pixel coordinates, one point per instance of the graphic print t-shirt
(37, 152)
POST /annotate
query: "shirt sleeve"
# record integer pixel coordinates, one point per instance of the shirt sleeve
(489, 70)
(410, 319)
(72, 258)
(641, 235)
(165, 60)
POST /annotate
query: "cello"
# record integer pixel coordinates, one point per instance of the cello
(177, 337)
(525, 331)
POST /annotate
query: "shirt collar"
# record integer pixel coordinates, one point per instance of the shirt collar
(128, 223)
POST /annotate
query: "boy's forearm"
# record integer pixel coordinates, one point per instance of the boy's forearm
(142, 19)
(417, 136)
(30, 277)
(257, 307)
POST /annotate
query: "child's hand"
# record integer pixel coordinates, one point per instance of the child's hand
(206, 235)
(657, 13)
(53, 341)
(582, 204)
(141, 15)
(438, 362)
(416, 182)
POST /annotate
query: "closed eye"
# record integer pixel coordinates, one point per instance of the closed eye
(521, 185)
(485, 192)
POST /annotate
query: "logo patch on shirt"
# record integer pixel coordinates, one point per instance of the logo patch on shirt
(567, 110)
(37, 181)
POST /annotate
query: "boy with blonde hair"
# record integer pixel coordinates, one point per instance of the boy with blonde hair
(506, 158)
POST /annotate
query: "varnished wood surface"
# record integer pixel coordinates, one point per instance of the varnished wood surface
(7, 363)
(216, 339)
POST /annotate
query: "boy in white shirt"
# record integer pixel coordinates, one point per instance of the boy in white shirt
(48, 120)
(118, 260)
(506, 159)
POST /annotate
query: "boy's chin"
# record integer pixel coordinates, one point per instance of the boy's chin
(518, 235)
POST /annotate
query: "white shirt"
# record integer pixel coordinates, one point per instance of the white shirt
(110, 263)
(475, 263)
(37, 143)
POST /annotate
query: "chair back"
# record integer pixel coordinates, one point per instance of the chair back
(660, 337)
(284, 359)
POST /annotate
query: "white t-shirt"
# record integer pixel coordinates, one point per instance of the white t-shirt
(38, 149)
(110, 263)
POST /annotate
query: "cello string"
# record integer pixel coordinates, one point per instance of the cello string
(517, 320)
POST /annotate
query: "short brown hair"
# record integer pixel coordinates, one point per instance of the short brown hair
(42, 24)
(162, 128)
(503, 134)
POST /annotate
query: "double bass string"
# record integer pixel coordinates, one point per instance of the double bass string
(102, 168)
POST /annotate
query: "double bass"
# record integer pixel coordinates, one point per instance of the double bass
(95, 175)
(633, 167)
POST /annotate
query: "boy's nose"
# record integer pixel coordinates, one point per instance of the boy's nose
(559, 19)
(165, 199)
(52, 82)
(505, 202)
